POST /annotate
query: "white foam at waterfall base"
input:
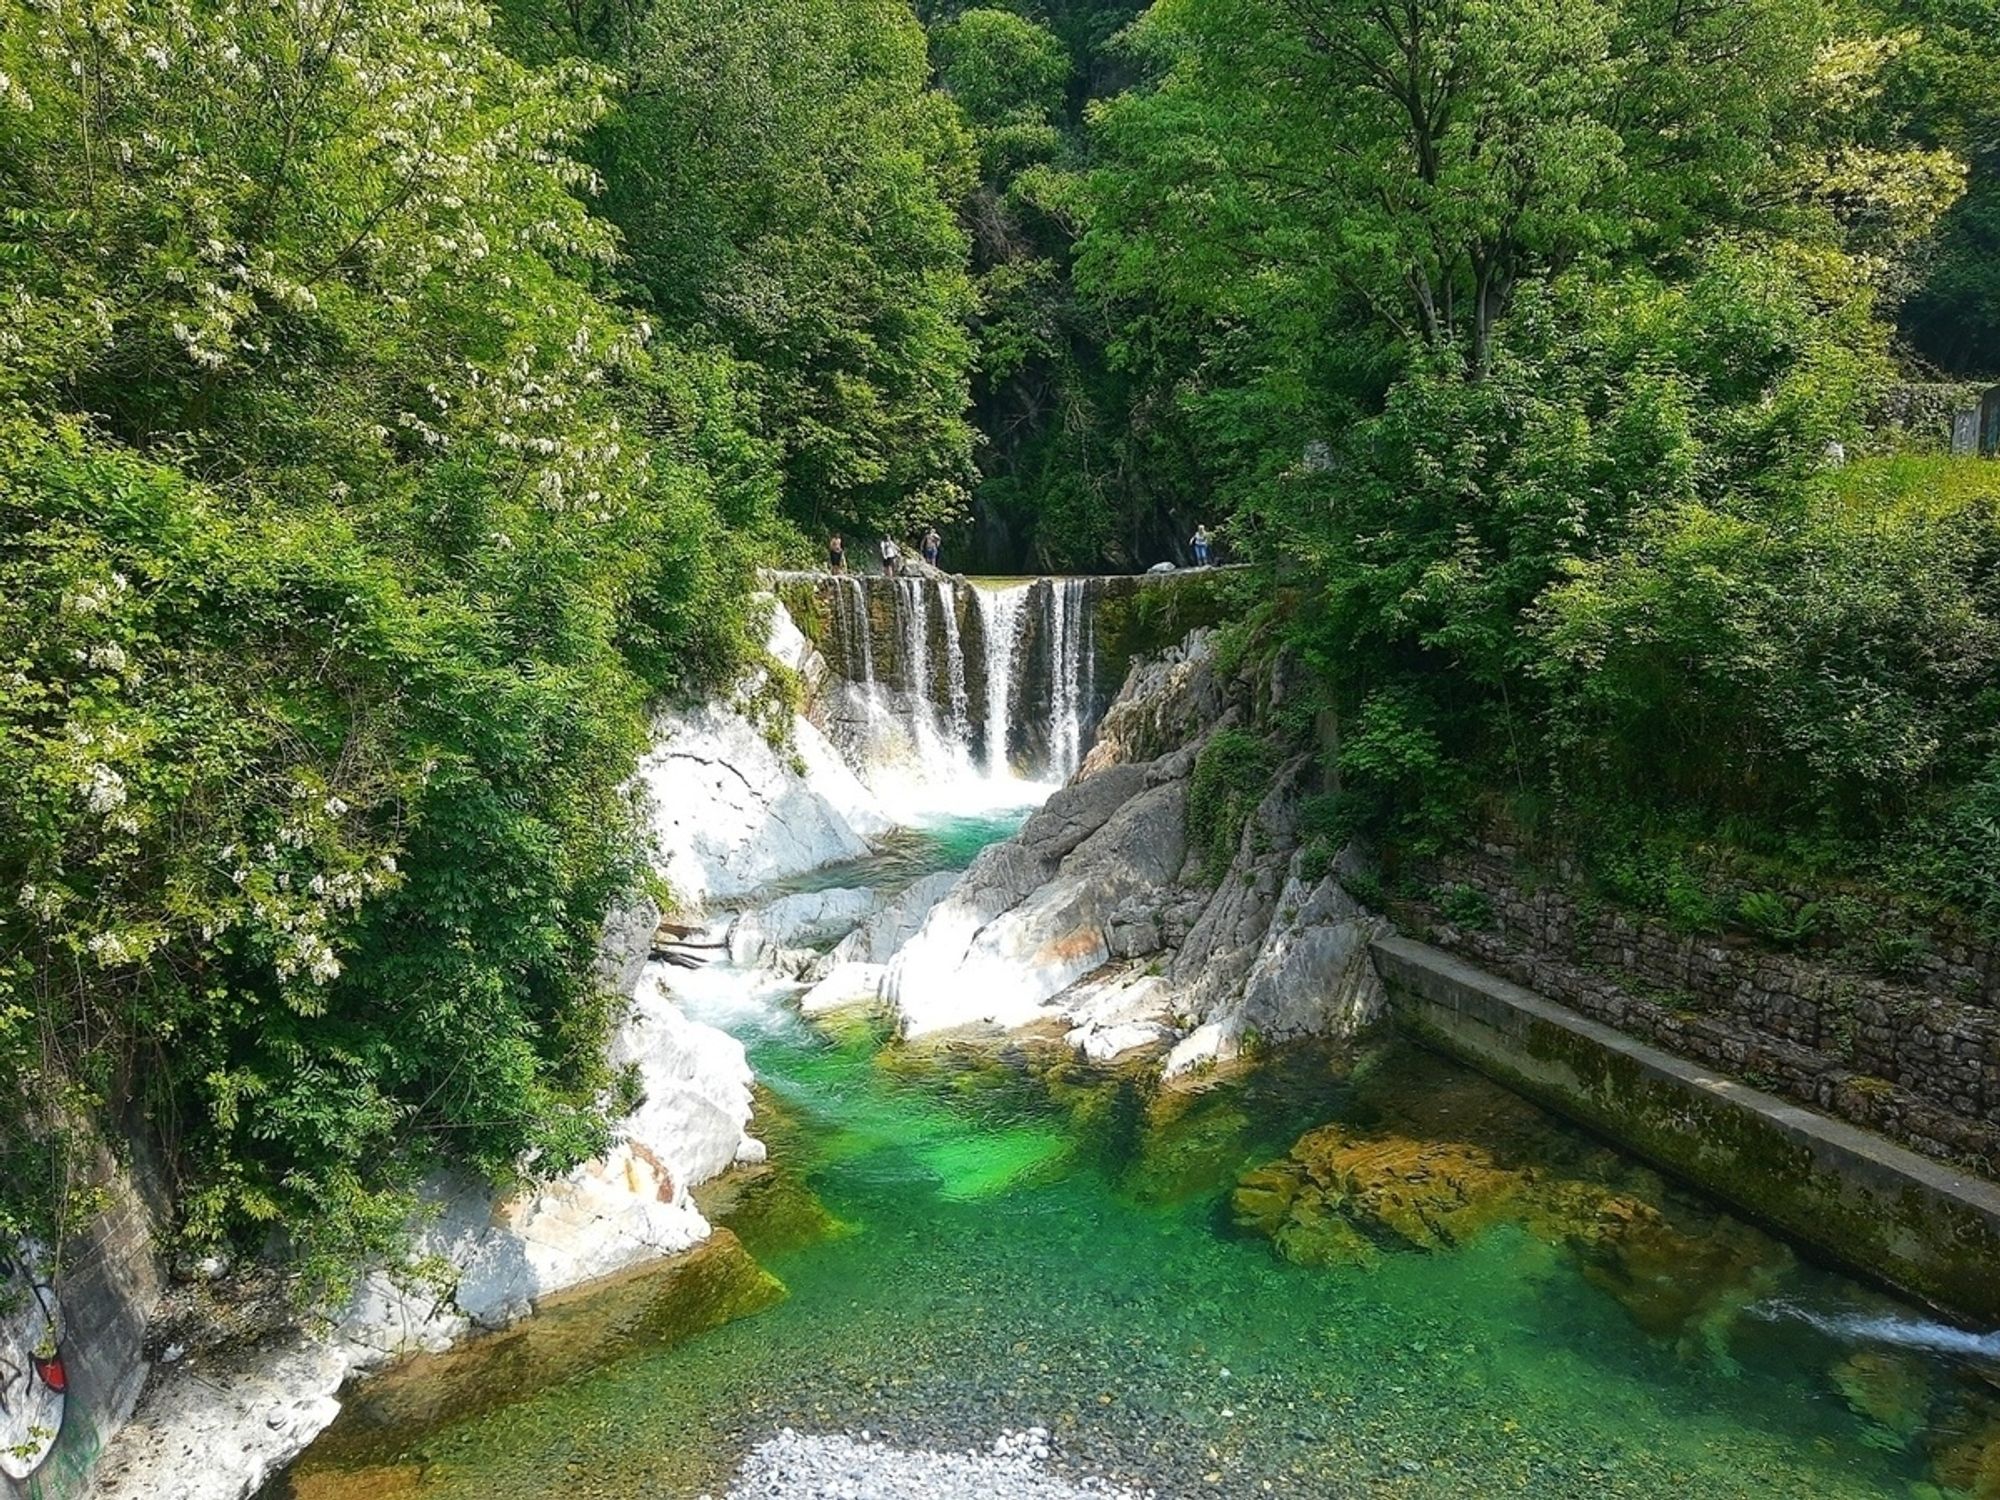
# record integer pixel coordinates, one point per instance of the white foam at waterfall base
(746, 1002)
(919, 791)
(916, 759)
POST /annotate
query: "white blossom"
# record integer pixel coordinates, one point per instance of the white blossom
(104, 790)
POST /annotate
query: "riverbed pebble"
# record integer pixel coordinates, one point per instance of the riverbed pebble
(799, 1466)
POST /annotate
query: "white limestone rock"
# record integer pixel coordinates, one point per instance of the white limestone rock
(1103, 1044)
(1313, 974)
(1212, 964)
(1208, 1044)
(876, 940)
(627, 945)
(218, 1430)
(847, 986)
(1095, 914)
(1028, 920)
(808, 920)
(696, 1111)
(730, 813)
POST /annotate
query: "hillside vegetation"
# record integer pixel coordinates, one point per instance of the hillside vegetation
(396, 398)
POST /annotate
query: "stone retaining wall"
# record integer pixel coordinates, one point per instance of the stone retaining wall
(1917, 1060)
(1888, 1213)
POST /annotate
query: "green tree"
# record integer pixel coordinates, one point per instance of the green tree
(330, 487)
(1944, 90)
(784, 180)
(1452, 299)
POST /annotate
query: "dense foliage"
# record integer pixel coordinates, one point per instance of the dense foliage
(356, 497)
(1943, 88)
(394, 398)
(1542, 349)
(786, 183)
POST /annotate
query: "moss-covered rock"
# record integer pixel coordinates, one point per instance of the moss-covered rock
(1890, 1390)
(651, 1307)
(1426, 1172)
(1143, 615)
(1969, 1465)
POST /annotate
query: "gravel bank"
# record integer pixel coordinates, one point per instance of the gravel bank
(795, 1466)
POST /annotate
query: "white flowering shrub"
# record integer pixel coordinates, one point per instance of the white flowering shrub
(346, 526)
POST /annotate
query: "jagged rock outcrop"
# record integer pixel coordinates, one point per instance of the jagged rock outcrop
(1029, 919)
(1097, 914)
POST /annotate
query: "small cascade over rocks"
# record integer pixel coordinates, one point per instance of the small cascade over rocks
(958, 700)
(1073, 673)
(1000, 611)
(933, 683)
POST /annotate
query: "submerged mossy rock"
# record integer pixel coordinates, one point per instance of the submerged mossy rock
(1675, 1285)
(1430, 1171)
(1393, 1190)
(648, 1308)
(1191, 1139)
(1888, 1389)
(1969, 1465)
(771, 1209)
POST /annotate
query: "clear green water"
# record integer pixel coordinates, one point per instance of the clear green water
(1021, 1242)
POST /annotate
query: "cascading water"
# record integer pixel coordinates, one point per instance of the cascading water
(911, 709)
(860, 648)
(1072, 672)
(938, 736)
(877, 718)
(914, 627)
(958, 700)
(1001, 611)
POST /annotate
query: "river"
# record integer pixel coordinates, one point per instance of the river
(979, 1240)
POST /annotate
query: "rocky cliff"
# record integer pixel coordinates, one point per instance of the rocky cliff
(1104, 913)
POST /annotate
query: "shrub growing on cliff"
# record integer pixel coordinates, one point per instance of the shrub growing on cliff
(1232, 774)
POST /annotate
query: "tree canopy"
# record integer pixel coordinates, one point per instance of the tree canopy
(396, 399)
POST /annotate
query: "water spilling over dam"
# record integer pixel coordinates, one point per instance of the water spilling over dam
(936, 682)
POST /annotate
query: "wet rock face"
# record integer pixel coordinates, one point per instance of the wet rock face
(734, 805)
(1095, 915)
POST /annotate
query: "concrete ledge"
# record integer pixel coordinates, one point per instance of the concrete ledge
(1871, 1205)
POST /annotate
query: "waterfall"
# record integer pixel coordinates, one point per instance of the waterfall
(860, 648)
(907, 721)
(1072, 672)
(938, 734)
(915, 626)
(1000, 616)
(957, 701)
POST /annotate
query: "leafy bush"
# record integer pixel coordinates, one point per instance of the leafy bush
(347, 529)
(1899, 955)
(1231, 777)
(1464, 906)
(1777, 918)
